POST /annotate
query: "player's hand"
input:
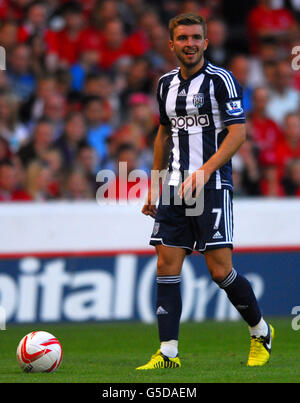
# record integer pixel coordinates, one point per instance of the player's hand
(149, 209)
(193, 184)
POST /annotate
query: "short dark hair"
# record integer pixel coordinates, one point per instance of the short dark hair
(6, 163)
(43, 120)
(125, 147)
(88, 99)
(187, 19)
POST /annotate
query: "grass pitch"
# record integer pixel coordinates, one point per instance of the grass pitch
(109, 353)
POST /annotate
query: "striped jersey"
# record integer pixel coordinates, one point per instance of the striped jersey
(198, 110)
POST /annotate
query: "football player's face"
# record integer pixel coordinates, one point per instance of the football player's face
(188, 44)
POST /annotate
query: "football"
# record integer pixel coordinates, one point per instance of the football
(39, 352)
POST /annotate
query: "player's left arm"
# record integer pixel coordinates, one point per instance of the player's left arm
(230, 145)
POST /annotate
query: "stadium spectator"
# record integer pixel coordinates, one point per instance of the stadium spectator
(267, 22)
(88, 7)
(270, 184)
(20, 172)
(88, 63)
(35, 22)
(237, 176)
(265, 133)
(283, 97)
(9, 186)
(64, 45)
(77, 186)
(38, 181)
(8, 34)
(42, 140)
(249, 168)
(239, 65)
(5, 152)
(203, 8)
(262, 64)
(38, 55)
(141, 114)
(73, 136)
(217, 51)
(138, 80)
(92, 85)
(87, 162)
(33, 108)
(104, 11)
(97, 127)
(128, 133)
(124, 186)
(55, 110)
(289, 147)
(21, 79)
(162, 59)
(54, 160)
(101, 85)
(15, 9)
(129, 11)
(63, 80)
(291, 180)
(147, 20)
(117, 45)
(11, 128)
(109, 161)
(108, 92)
(4, 82)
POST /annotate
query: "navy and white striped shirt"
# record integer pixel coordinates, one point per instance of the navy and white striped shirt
(198, 110)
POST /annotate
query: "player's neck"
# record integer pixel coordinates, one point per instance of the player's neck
(187, 72)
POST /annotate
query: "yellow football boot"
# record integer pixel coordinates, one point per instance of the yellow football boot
(260, 349)
(158, 360)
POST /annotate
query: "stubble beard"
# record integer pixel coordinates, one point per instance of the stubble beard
(191, 64)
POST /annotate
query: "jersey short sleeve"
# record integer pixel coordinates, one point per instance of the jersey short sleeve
(163, 117)
(229, 95)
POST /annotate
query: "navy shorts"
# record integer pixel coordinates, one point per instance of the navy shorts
(210, 230)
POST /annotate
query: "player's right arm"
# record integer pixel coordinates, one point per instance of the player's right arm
(160, 162)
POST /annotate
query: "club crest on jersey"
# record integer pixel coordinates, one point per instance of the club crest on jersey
(198, 100)
(234, 108)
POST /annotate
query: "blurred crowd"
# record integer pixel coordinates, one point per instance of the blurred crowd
(79, 91)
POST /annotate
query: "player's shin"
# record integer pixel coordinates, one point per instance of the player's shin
(241, 295)
(168, 310)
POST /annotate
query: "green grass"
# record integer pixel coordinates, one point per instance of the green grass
(109, 352)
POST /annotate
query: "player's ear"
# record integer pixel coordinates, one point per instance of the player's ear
(205, 44)
(171, 45)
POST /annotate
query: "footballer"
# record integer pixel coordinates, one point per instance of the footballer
(202, 125)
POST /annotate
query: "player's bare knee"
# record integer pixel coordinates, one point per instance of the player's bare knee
(166, 267)
(219, 264)
(217, 278)
(219, 274)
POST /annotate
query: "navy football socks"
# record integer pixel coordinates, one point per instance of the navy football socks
(241, 295)
(169, 303)
(168, 307)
